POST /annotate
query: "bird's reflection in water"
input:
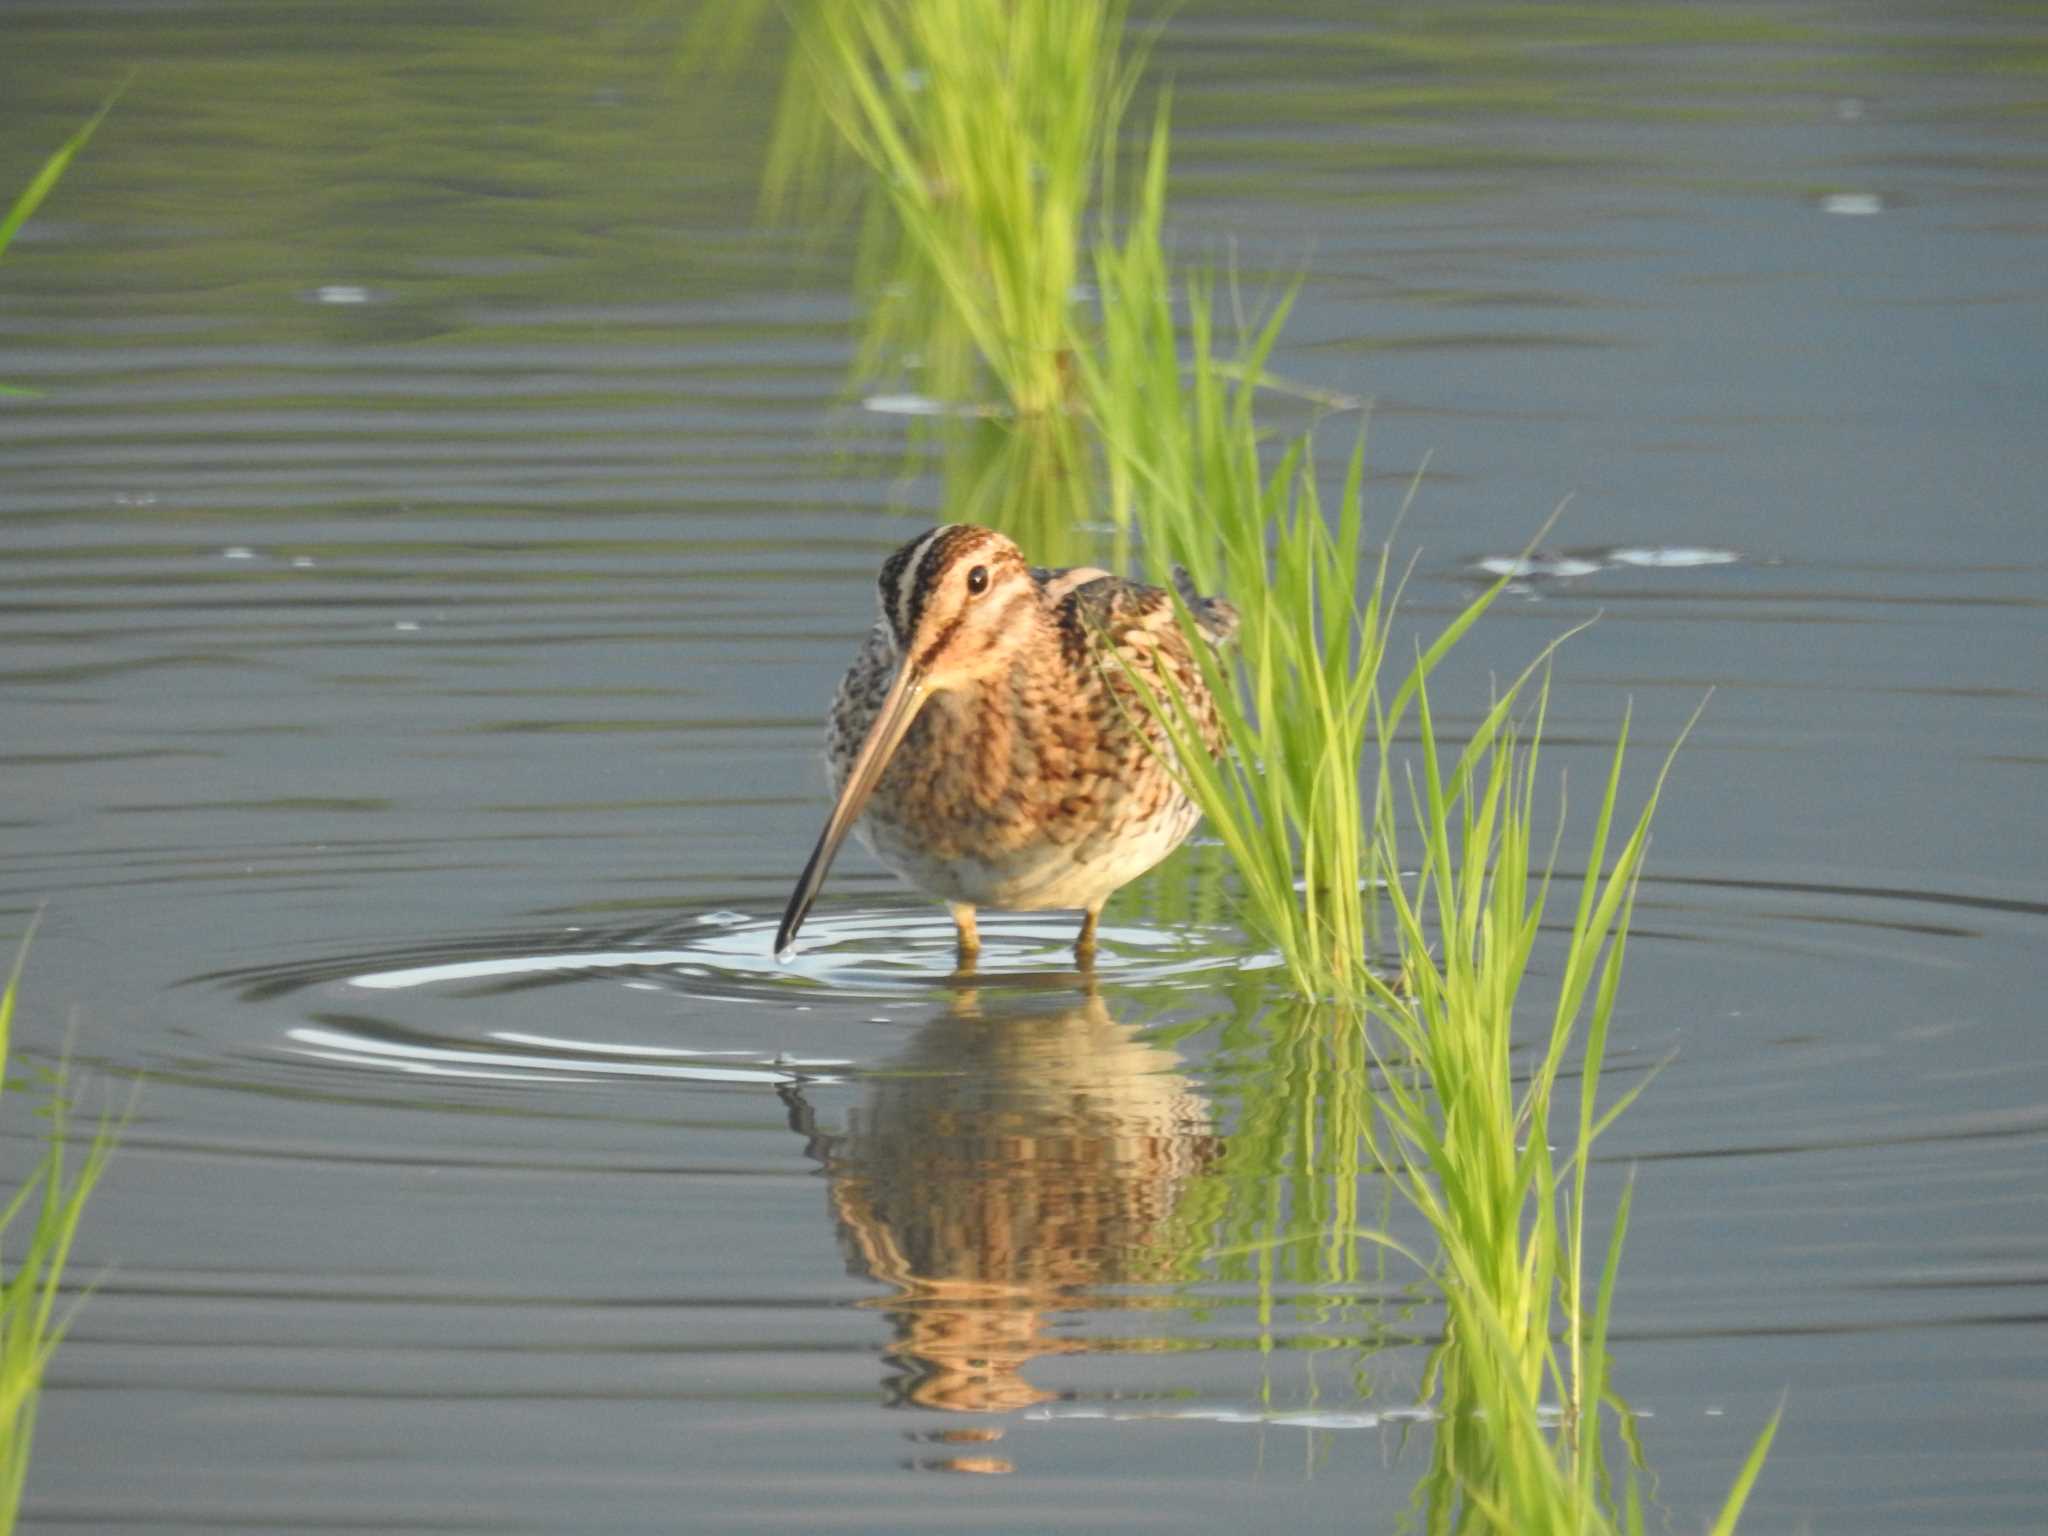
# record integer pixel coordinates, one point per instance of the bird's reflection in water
(1014, 1158)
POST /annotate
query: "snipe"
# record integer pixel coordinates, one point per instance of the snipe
(992, 733)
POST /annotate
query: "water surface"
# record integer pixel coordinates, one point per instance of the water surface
(436, 532)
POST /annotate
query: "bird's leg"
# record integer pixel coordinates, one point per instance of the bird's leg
(970, 936)
(1084, 942)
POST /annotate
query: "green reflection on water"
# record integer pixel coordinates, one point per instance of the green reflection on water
(467, 153)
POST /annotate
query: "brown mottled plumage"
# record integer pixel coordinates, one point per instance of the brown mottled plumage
(992, 733)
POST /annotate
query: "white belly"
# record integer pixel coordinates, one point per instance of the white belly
(1039, 875)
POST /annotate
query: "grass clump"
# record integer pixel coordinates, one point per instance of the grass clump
(1428, 1083)
(1472, 1148)
(1312, 697)
(32, 1274)
(1319, 818)
(982, 125)
(1512, 1221)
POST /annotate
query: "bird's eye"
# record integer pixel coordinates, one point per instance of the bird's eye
(977, 580)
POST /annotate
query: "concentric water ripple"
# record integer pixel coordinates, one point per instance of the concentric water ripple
(726, 956)
(503, 1008)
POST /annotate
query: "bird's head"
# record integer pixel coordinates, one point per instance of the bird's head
(960, 602)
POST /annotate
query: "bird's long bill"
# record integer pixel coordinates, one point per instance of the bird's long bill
(906, 696)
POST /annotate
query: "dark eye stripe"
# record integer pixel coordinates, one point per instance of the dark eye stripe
(900, 583)
(945, 635)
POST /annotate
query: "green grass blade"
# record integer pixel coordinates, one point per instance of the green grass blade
(1745, 1480)
(39, 187)
(30, 1328)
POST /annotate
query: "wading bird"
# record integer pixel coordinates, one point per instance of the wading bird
(993, 733)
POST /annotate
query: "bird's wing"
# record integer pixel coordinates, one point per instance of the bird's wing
(1137, 626)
